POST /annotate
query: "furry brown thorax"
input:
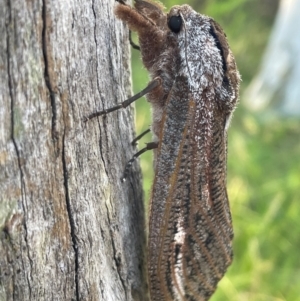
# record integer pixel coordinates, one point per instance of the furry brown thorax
(160, 47)
(190, 229)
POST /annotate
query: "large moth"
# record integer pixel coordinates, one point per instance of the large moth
(193, 92)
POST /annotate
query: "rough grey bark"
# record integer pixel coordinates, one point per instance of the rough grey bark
(276, 87)
(69, 229)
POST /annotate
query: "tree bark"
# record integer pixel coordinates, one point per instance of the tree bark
(276, 88)
(69, 228)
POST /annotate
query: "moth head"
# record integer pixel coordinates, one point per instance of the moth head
(183, 42)
(205, 54)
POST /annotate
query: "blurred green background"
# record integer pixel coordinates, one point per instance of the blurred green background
(263, 166)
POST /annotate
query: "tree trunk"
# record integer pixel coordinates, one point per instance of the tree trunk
(276, 88)
(70, 229)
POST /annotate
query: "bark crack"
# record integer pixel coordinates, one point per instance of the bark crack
(71, 219)
(98, 84)
(46, 72)
(13, 138)
(96, 43)
(117, 259)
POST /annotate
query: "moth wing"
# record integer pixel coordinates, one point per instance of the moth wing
(190, 231)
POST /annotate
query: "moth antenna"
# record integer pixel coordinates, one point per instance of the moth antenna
(185, 44)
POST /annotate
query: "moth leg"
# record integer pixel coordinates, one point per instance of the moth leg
(133, 45)
(149, 146)
(121, 2)
(152, 85)
(134, 141)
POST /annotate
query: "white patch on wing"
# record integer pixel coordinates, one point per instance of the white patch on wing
(178, 268)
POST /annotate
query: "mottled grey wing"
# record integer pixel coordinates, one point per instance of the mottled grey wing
(190, 223)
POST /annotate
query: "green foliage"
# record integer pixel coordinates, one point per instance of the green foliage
(263, 167)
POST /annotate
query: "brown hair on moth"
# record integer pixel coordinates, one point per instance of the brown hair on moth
(193, 92)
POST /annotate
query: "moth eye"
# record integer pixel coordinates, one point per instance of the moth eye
(175, 23)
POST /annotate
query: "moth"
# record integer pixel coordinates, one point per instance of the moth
(193, 93)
